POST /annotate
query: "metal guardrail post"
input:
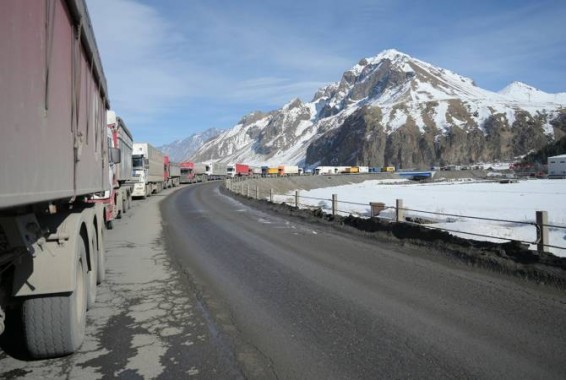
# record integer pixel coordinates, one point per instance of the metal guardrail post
(399, 212)
(334, 204)
(542, 231)
(297, 199)
(248, 191)
(256, 191)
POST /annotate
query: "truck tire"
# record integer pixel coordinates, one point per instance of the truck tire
(54, 325)
(119, 207)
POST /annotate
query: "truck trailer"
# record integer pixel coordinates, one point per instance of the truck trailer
(216, 170)
(172, 175)
(148, 170)
(116, 200)
(242, 170)
(54, 155)
(238, 170)
(123, 182)
(200, 171)
(286, 170)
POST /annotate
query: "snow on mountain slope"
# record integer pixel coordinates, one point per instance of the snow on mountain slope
(524, 93)
(404, 92)
(180, 150)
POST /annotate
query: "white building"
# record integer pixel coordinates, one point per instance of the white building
(557, 166)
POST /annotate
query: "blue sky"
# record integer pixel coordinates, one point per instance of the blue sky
(176, 67)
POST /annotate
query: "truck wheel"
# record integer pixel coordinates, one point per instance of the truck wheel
(54, 325)
(119, 207)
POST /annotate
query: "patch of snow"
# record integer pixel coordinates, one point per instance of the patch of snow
(514, 202)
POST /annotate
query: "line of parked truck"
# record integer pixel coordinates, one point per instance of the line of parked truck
(70, 168)
(192, 172)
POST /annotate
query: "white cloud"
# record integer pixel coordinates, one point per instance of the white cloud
(278, 91)
(511, 45)
(137, 47)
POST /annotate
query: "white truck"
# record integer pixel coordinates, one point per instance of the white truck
(287, 170)
(200, 171)
(216, 170)
(54, 156)
(122, 182)
(148, 170)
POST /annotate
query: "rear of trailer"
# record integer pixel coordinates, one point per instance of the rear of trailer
(54, 151)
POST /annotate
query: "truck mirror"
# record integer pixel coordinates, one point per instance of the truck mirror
(115, 155)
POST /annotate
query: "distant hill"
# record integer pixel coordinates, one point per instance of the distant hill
(182, 150)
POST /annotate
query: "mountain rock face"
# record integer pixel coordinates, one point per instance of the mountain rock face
(181, 150)
(399, 111)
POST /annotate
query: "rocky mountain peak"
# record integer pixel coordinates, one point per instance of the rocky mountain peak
(252, 118)
(294, 103)
(397, 110)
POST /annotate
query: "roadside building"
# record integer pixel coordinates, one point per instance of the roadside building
(557, 166)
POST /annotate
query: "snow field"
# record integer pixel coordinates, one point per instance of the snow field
(513, 204)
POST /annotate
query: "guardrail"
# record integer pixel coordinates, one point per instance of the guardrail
(541, 224)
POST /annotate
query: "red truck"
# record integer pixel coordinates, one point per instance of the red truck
(238, 170)
(192, 172)
(242, 170)
(187, 172)
(54, 158)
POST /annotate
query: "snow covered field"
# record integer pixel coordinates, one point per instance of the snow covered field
(515, 203)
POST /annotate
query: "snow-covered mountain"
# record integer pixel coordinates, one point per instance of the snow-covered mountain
(393, 109)
(182, 150)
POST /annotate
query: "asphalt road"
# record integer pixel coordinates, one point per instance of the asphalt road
(200, 286)
(289, 300)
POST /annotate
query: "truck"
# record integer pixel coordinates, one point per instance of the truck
(216, 170)
(172, 173)
(147, 170)
(122, 140)
(200, 171)
(286, 170)
(55, 158)
(116, 200)
(268, 171)
(187, 174)
(352, 170)
(239, 170)
(255, 171)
